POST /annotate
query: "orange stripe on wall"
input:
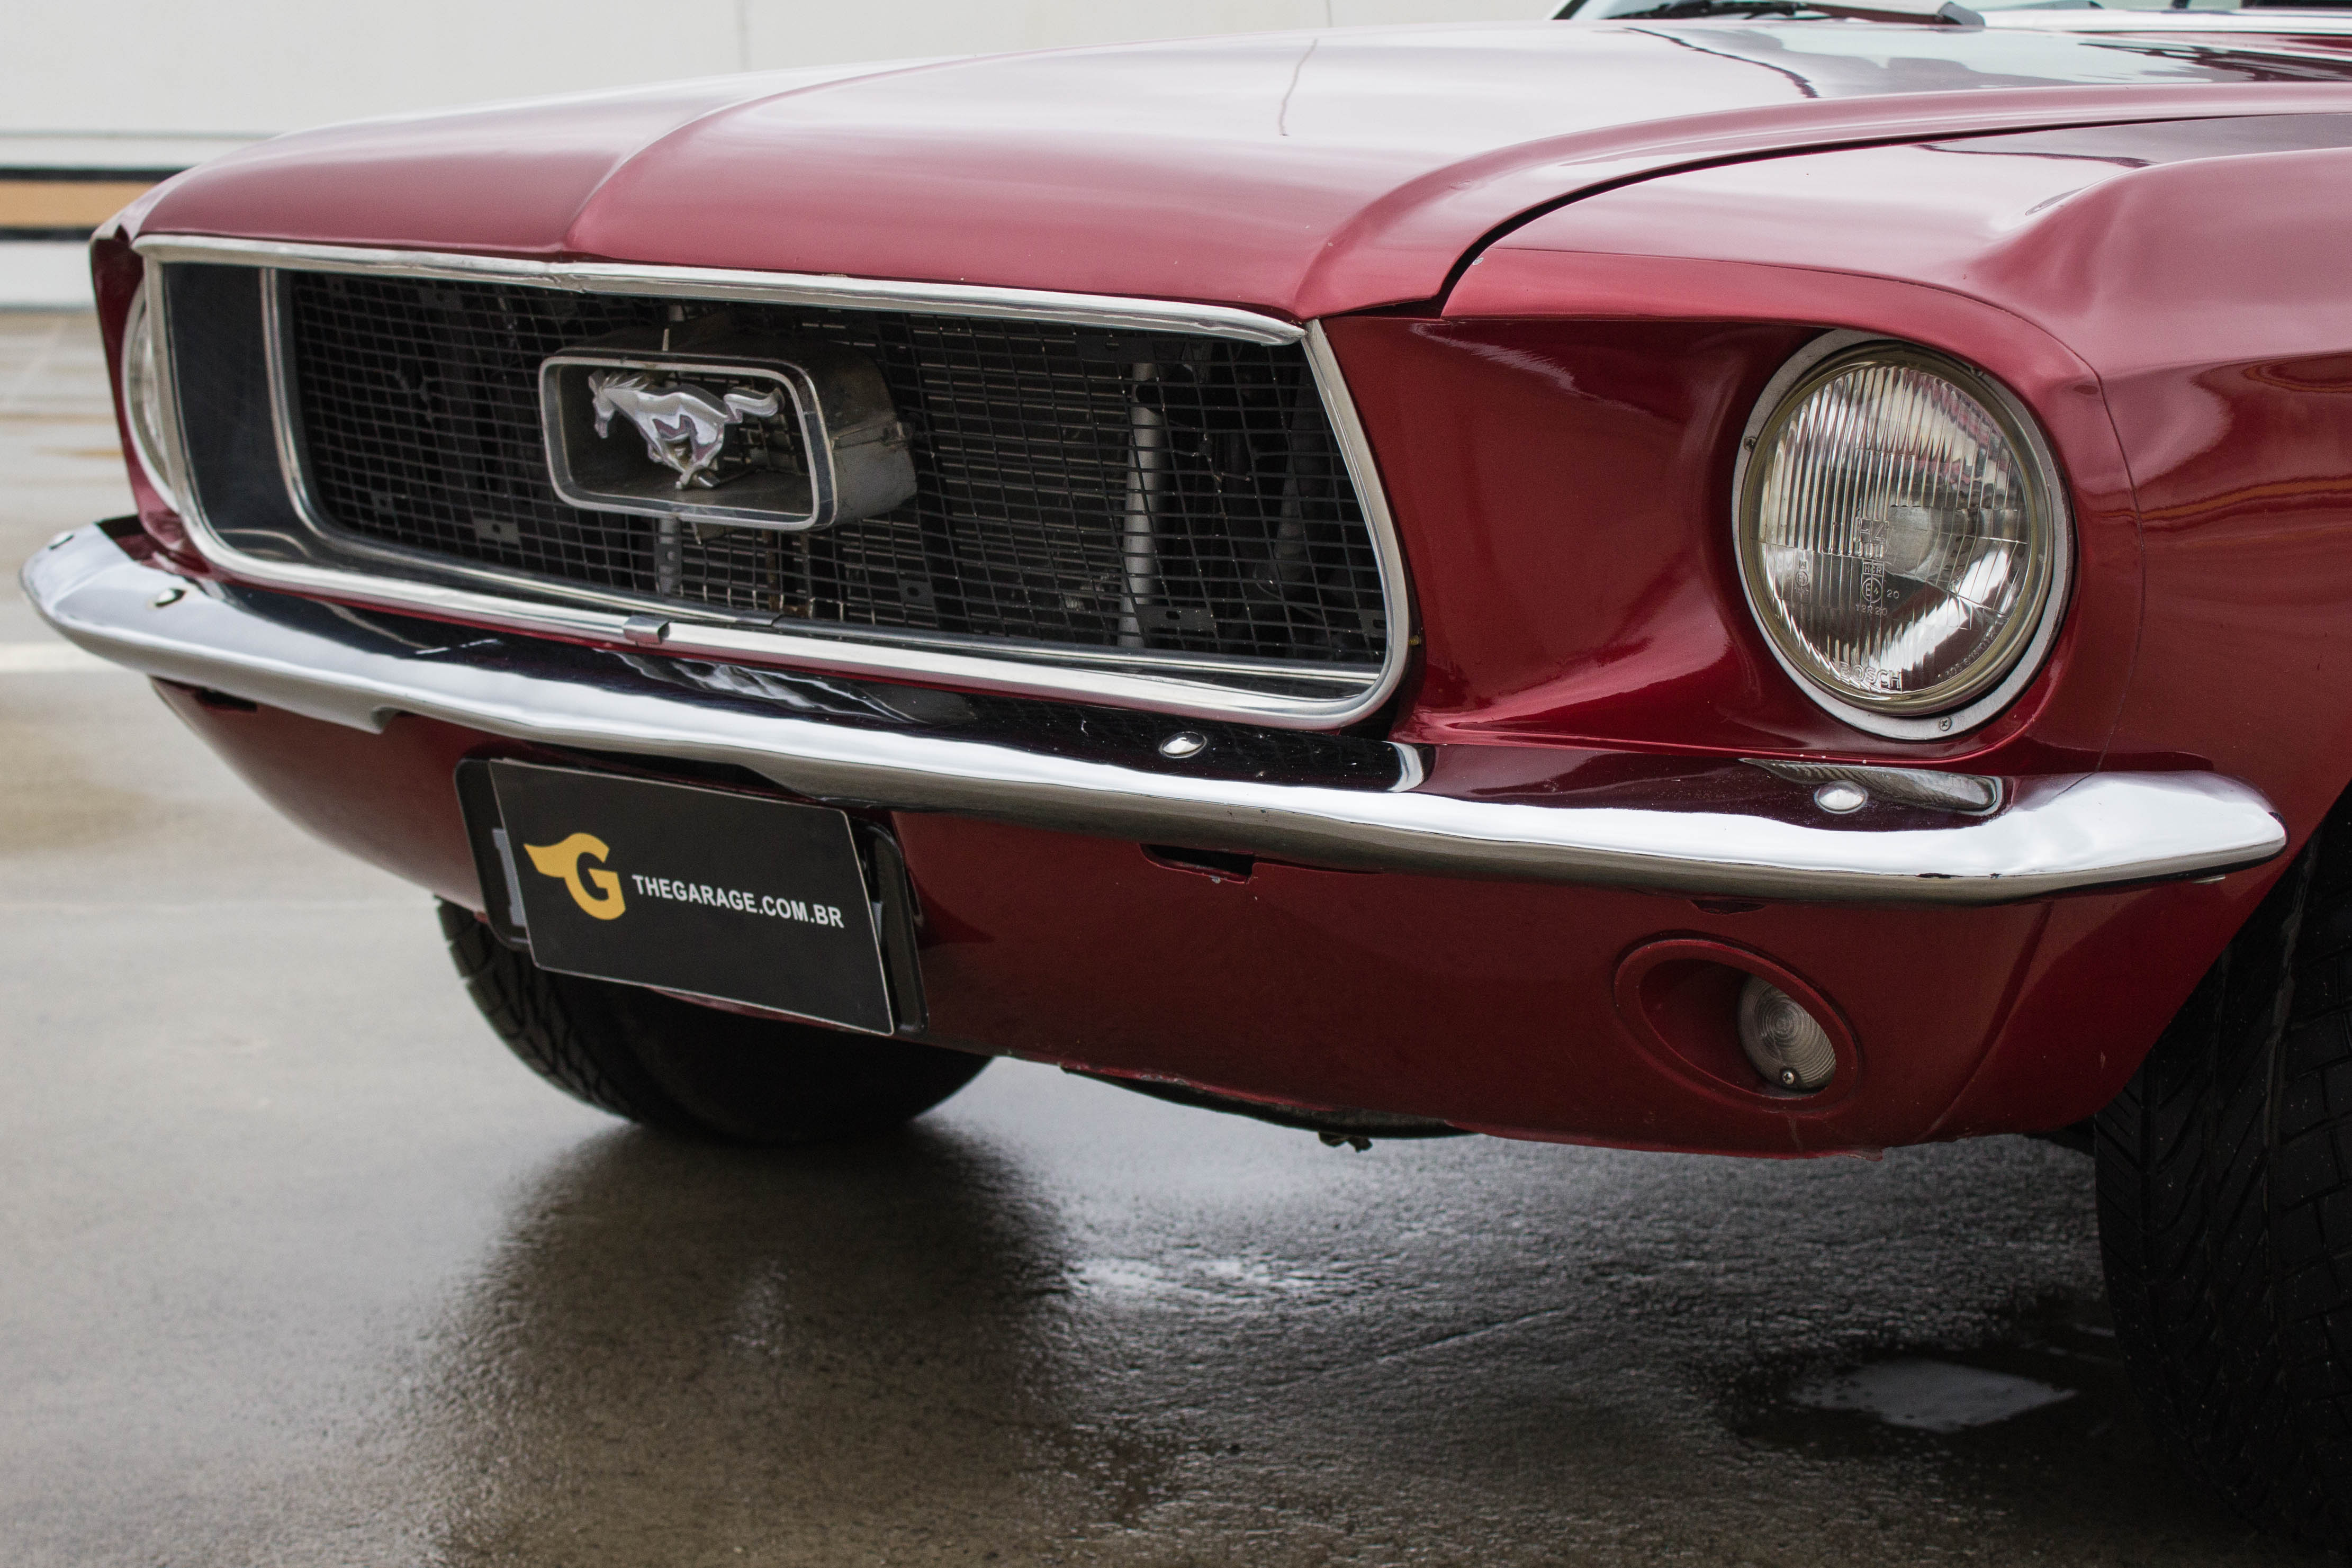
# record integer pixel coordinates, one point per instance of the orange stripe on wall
(64, 204)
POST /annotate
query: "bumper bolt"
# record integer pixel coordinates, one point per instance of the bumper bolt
(170, 596)
(1184, 743)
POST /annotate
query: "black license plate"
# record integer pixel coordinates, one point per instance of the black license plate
(688, 889)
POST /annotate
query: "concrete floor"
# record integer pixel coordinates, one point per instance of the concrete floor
(296, 1266)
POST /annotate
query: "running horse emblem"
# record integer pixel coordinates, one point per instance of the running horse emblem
(684, 425)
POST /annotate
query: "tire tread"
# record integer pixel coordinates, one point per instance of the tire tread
(693, 1070)
(2225, 1212)
(525, 1007)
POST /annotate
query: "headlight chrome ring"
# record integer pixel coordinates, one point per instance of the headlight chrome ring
(1902, 535)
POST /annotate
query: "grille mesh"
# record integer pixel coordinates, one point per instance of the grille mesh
(420, 417)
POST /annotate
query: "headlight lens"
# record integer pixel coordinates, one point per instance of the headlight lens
(1900, 529)
(147, 401)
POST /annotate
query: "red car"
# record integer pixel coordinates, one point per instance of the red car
(1765, 586)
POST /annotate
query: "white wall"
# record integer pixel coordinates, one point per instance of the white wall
(254, 66)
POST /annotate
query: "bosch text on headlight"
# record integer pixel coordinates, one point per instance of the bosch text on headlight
(1902, 535)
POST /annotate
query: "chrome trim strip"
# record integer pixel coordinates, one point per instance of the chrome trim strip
(167, 376)
(1972, 795)
(832, 292)
(286, 432)
(1372, 497)
(990, 664)
(146, 318)
(2054, 835)
(1353, 676)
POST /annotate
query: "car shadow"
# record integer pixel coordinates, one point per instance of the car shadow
(679, 1353)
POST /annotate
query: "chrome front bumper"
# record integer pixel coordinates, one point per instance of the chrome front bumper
(1711, 829)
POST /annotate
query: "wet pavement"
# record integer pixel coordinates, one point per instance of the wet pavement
(297, 1267)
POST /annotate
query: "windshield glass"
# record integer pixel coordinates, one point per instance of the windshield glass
(2130, 6)
(1594, 10)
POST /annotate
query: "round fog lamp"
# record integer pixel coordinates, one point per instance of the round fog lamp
(1901, 534)
(1785, 1043)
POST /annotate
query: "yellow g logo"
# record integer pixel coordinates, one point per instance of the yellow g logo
(562, 861)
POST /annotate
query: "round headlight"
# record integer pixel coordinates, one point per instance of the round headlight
(147, 400)
(1902, 535)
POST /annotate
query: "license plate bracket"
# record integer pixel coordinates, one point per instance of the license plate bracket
(707, 892)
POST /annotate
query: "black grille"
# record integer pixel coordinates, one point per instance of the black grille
(419, 408)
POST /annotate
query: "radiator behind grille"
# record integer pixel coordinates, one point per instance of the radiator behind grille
(1159, 493)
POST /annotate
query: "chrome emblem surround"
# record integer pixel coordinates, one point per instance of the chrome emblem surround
(738, 430)
(684, 425)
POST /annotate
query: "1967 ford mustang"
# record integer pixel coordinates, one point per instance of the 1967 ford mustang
(1773, 588)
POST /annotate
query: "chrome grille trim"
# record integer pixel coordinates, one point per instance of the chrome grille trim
(714, 283)
(1167, 682)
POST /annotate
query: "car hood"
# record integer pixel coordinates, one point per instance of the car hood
(1304, 173)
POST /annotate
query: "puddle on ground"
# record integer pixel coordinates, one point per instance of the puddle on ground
(2046, 1383)
(1939, 1396)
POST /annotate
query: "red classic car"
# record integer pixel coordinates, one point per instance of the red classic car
(1774, 587)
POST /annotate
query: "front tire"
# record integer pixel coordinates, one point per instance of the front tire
(693, 1070)
(2225, 1211)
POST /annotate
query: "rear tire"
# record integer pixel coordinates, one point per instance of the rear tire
(2225, 1211)
(694, 1070)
